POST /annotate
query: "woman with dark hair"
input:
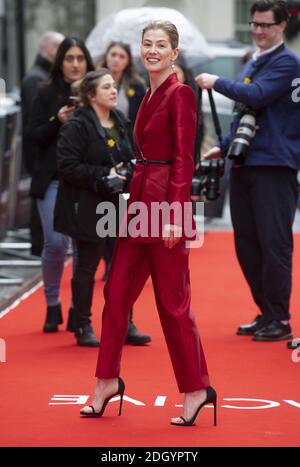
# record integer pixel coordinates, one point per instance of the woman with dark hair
(184, 73)
(131, 90)
(131, 87)
(51, 109)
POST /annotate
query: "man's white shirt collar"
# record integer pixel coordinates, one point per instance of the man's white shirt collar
(259, 53)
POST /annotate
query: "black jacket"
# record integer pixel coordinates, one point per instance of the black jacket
(135, 95)
(44, 128)
(83, 158)
(29, 88)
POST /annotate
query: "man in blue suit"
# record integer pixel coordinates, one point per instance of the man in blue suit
(263, 187)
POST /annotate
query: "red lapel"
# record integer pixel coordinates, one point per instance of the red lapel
(147, 109)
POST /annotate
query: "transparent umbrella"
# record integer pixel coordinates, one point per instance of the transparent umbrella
(127, 26)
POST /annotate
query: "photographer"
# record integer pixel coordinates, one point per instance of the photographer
(92, 148)
(265, 146)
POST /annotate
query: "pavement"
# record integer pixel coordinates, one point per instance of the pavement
(20, 271)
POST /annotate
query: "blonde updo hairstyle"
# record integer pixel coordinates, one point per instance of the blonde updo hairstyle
(166, 26)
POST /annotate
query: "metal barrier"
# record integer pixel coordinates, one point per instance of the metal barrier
(19, 201)
(14, 195)
(4, 175)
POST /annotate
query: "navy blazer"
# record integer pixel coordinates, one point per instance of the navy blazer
(277, 139)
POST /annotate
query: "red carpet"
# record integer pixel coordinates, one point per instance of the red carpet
(41, 368)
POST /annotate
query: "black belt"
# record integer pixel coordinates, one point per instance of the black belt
(152, 161)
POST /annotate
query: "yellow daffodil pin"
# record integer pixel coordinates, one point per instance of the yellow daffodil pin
(131, 92)
(111, 143)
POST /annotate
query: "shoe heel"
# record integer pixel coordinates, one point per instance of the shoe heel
(212, 398)
(121, 390)
(121, 403)
(215, 412)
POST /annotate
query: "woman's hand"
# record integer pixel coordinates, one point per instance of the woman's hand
(113, 171)
(65, 113)
(213, 153)
(171, 235)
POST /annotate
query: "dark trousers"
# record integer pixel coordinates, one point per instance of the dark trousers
(109, 249)
(89, 256)
(263, 204)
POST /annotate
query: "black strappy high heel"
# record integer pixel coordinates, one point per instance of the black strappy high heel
(121, 389)
(211, 397)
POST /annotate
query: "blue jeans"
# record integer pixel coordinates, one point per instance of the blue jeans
(55, 247)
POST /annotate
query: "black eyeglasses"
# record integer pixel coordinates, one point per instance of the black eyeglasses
(255, 25)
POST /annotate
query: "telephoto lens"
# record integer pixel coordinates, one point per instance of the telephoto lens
(198, 183)
(212, 185)
(241, 142)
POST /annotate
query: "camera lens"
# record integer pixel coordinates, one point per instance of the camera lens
(207, 179)
(212, 187)
(241, 143)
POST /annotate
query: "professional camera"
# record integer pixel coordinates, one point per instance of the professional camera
(243, 136)
(73, 101)
(206, 179)
(126, 171)
(112, 184)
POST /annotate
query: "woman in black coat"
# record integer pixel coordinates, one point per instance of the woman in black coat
(131, 91)
(93, 146)
(50, 111)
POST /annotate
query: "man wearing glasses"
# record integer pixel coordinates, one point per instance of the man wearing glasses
(263, 188)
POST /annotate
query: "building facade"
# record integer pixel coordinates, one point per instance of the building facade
(23, 21)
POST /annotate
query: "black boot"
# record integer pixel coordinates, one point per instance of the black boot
(71, 324)
(53, 318)
(134, 337)
(86, 337)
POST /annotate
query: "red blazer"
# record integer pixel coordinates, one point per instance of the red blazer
(165, 129)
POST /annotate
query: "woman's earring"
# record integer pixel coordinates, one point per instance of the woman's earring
(172, 66)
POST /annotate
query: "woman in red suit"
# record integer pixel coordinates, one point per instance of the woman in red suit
(164, 137)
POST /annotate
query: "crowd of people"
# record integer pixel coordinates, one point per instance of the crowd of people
(51, 109)
(94, 129)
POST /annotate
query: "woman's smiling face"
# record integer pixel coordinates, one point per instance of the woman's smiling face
(157, 54)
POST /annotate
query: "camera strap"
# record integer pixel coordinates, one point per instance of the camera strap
(215, 115)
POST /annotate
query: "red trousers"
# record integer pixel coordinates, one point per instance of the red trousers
(132, 264)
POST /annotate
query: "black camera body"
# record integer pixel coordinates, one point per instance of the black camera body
(243, 136)
(112, 184)
(206, 180)
(126, 171)
(73, 101)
